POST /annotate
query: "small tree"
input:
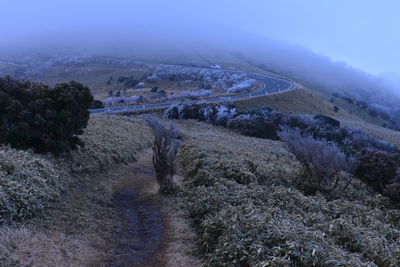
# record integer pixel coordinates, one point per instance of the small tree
(165, 148)
(322, 160)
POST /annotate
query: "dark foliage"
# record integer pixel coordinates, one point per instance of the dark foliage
(379, 169)
(327, 120)
(109, 80)
(348, 99)
(97, 104)
(162, 93)
(373, 113)
(256, 125)
(128, 81)
(47, 120)
(154, 89)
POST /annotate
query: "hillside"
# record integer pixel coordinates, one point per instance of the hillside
(239, 194)
(239, 199)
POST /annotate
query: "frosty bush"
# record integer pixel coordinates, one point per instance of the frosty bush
(243, 86)
(322, 160)
(256, 125)
(218, 114)
(165, 148)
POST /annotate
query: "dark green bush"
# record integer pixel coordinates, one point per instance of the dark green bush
(97, 104)
(46, 120)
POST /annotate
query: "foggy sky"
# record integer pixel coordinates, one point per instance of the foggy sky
(362, 33)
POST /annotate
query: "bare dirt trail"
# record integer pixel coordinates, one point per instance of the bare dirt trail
(149, 232)
(139, 236)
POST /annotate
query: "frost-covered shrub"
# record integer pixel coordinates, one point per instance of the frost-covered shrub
(217, 79)
(28, 183)
(152, 79)
(323, 163)
(254, 125)
(165, 147)
(218, 114)
(122, 100)
(195, 94)
(139, 85)
(172, 112)
(182, 111)
(298, 121)
(243, 86)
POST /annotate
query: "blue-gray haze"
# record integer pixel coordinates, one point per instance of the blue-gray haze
(362, 33)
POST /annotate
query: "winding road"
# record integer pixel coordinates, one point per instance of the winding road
(270, 85)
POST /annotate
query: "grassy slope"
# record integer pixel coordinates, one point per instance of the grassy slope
(304, 101)
(237, 191)
(31, 185)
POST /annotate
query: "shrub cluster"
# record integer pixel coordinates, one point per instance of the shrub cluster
(218, 114)
(128, 81)
(374, 156)
(47, 120)
(268, 221)
(323, 163)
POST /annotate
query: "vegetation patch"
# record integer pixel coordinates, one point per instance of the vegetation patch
(46, 120)
(30, 183)
(247, 212)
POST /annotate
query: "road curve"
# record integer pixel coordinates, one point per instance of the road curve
(270, 85)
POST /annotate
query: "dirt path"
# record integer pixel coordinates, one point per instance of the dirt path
(150, 231)
(116, 218)
(140, 235)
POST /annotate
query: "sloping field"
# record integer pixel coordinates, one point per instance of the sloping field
(55, 205)
(29, 183)
(305, 101)
(238, 194)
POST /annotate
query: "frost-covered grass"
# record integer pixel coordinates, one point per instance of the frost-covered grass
(30, 183)
(247, 211)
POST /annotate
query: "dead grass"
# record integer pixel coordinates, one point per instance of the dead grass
(295, 101)
(181, 248)
(62, 204)
(241, 158)
(83, 228)
(27, 247)
(247, 214)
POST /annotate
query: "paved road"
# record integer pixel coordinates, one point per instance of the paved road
(270, 84)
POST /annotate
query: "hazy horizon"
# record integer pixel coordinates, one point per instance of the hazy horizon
(360, 33)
